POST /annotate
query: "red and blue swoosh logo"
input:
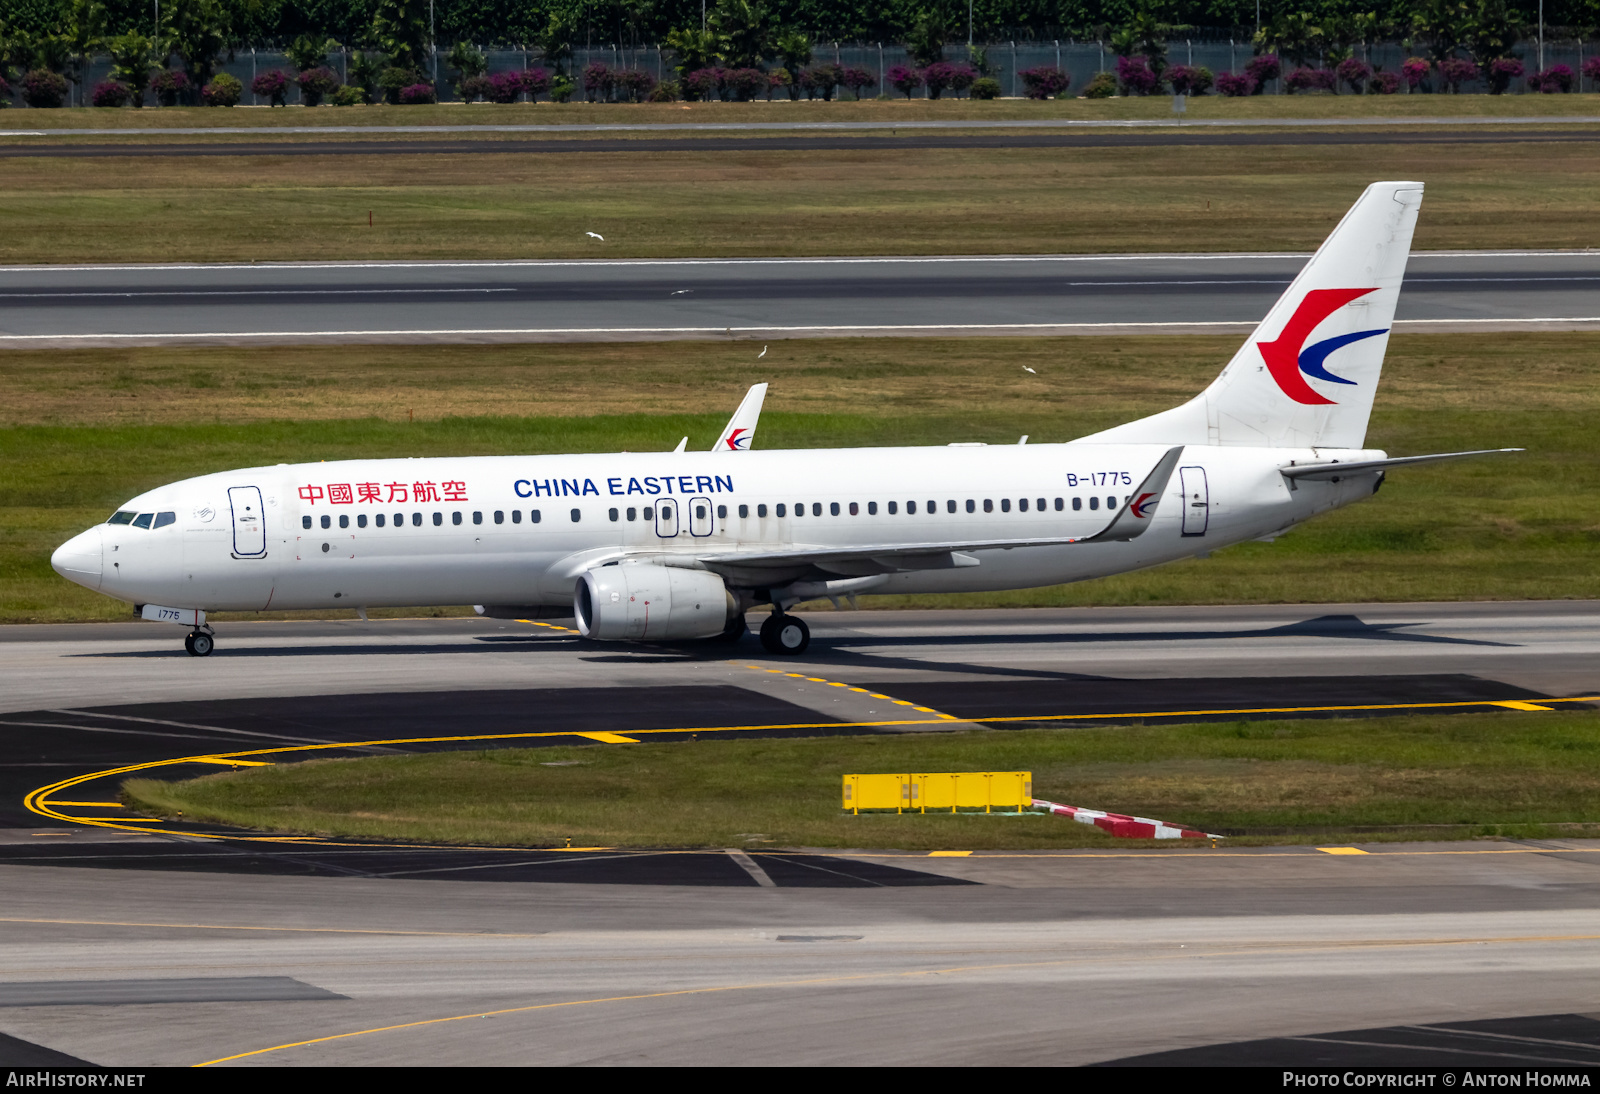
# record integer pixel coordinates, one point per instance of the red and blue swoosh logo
(739, 440)
(1290, 360)
(1144, 505)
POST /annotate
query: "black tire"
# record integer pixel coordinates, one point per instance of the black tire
(736, 629)
(199, 643)
(785, 635)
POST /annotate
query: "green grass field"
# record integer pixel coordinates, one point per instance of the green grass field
(764, 203)
(1522, 774)
(1155, 108)
(80, 432)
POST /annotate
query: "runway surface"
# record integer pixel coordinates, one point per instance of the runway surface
(131, 946)
(564, 301)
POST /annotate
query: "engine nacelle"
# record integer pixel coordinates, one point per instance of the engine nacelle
(632, 602)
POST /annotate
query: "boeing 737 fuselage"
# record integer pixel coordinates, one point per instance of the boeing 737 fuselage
(680, 545)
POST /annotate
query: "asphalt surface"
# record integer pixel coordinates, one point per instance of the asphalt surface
(599, 300)
(167, 944)
(915, 141)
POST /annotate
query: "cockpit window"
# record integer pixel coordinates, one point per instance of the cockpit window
(143, 520)
(124, 516)
(164, 519)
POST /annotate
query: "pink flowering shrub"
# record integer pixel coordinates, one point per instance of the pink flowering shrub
(1190, 79)
(1502, 72)
(1263, 68)
(107, 93)
(1455, 71)
(272, 86)
(1384, 83)
(417, 94)
(859, 79)
(1414, 70)
(535, 82)
(904, 79)
(1134, 74)
(702, 84)
(1044, 82)
(1556, 78)
(1354, 72)
(746, 83)
(1235, 86)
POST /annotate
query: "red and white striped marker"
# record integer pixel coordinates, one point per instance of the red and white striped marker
(1119, 824)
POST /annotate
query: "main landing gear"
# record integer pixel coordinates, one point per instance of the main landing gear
(199, 642)
(785, 635)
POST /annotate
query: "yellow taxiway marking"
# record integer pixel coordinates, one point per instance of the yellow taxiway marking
(948, 854)
(610, 738)
(106, 805)
(1518, 704)
(1343, 851)
(229, 763)
(551, 626)
(770, 985)
(849, 687)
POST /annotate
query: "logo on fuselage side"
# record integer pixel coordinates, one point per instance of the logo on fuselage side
(1290, 360)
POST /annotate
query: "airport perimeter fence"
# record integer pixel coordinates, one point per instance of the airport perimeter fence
(1007, 60)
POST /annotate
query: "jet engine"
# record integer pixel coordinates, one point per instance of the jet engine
(636, 601)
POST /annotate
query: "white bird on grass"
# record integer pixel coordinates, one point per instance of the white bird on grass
(1025, 368)
(762, 354)
(596, 235)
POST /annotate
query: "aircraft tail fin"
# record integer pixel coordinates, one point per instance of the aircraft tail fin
(741, 428)
(1307, 376)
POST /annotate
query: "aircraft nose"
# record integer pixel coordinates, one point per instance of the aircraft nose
(80, 558)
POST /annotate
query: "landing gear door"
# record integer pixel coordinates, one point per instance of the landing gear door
(249, 522)
(666, 518)
(700, 520)
(1196, 500)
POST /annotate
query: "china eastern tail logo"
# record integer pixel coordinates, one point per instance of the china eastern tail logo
(1290, 360)
(1144, 505)
(738, 440)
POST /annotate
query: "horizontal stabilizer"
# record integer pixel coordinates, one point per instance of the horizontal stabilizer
(1336, 469)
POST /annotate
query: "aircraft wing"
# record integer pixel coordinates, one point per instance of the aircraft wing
(1128, 522)
(741, 428)
(1336, 469)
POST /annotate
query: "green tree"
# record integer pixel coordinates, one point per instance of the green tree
(1440, 26)
(133, 58)
(1492, 31)
(928, 33)
(794, 50)
(400, 28)
(1296, 36)
(556, 42)
(86, 27)
(696, 49)
(466, 61)
(310, 51)
(744, 31)
(1146, 36)
(199, 32)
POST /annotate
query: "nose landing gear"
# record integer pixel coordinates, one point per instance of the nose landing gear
(785, 635)
(199, 642)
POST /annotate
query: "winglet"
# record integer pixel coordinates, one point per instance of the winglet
(741, 428)
(1139, 510)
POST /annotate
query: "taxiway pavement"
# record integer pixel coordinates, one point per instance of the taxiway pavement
(601, 300)
(138, 949)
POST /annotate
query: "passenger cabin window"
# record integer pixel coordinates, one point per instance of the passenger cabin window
(477, 518)
(438, 519)
(416, 520)
(378, 520)
(344, 520)
(633, 514)
(1111, 503)
(988, 506)
(816, 508)
(455, 518)
(647, 513)
(1005, 505)
(499, 516)
(833, 508)
(722, 512)
(305, 522)
(361, 521)
(872, 508)
(911, 509)
(516, 516)
(949, 505)
(399, 520)
(1041, 504)
(972, 506)
(327, 521)
(761, 510)
(533, 516)
(894, 507)
(164, 519)
(1077, 503)
(577, 515)
(744, 511)
(124, 516)
(614, 514)
(1094, 503)
(781, 511)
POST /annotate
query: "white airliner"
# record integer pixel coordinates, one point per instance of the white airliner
(678, 545)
